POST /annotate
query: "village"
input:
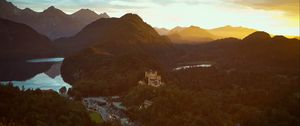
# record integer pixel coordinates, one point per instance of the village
(112, 109)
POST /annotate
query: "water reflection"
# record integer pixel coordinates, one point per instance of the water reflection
(48, 79)
(192, 66)
(43, 82)
(45, 60)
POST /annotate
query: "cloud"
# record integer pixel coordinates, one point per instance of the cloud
(104, 4)
(289, 7)
(68, 4)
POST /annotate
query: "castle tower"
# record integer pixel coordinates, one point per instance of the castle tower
(152, 79)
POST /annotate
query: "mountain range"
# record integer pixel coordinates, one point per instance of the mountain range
(114, 47)
(52, 22)
(194, 34)
(230, 31)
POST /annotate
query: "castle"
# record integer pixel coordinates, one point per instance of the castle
(152, 79)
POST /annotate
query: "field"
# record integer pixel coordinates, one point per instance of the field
(95, 117)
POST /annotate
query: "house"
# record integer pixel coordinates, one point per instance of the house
(146, 104)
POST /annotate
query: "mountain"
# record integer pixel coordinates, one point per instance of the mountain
(55, 23)
(86, 16)
(260, 66)
(252, 54)
(258, 37)
(229, 31)
(52, 22)
(162, 31)
(194, 34)
(190, 34)
(116, 53)
(99, 31)
(176, 29)
(19, 43)
(8, 10)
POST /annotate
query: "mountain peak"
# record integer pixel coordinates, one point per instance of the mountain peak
(258, 36)
(51, 8)
(8, 8)
(28, 10)
(53, 11)
(89, 14)
(132, 16)
(86, 11)
(4, 2)
(104, 15)
(280, 38)
(177, 29)
(228, 26)
(192, 27)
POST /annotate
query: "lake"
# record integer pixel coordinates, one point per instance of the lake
(46, 60)
(44, 80)
(192, 66)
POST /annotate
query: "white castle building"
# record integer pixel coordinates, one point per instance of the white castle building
(152, 79)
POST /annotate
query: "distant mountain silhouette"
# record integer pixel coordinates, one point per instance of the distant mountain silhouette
(87, 16)
(258, 36)
(19, 43)
(162, 31)
(52, 22)
(115, 47)
(190, 34)
(176, 29)
(229, 31)
(195, 34)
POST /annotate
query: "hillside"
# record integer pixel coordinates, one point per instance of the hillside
(46, 108)
(254, 52)
(114, 60)
(254, 81)
(19, 43)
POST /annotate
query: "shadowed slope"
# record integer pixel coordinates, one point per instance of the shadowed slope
(19, 43)
(116, 53)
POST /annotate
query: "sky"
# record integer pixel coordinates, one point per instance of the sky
(280, 17)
